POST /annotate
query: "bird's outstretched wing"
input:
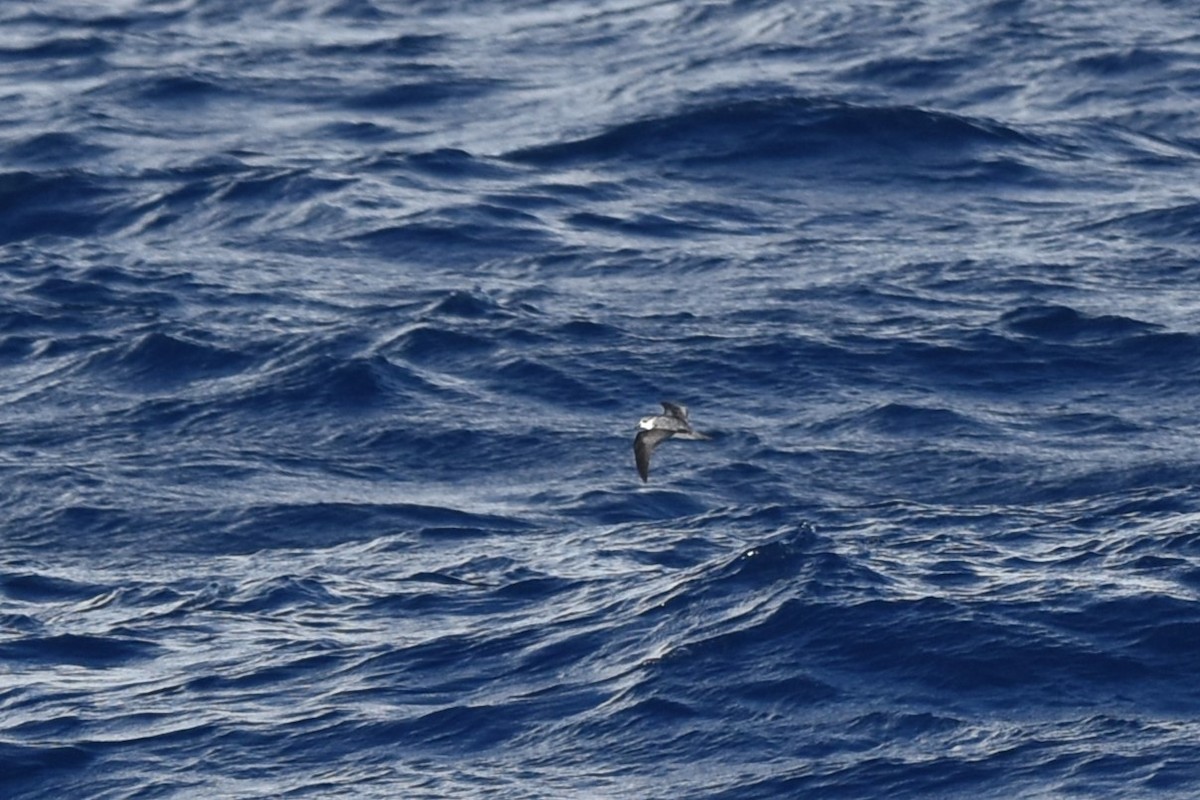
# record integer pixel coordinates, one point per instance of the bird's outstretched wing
(643, 445)
(675, 410)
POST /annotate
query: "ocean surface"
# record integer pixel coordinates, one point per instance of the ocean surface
(326, 325)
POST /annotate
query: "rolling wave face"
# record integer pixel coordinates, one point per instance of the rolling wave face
(324, 328)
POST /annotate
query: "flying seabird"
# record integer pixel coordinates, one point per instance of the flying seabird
(652, 430)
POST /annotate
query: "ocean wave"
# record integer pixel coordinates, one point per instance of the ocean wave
(901, 419)
(1180, 222)
(57, 203)
(781, 128)
(1061, 323)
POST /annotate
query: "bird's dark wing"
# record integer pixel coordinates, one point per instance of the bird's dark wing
(643, 445)
(675, 410)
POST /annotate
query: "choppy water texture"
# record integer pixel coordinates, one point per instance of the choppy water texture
(324, 330)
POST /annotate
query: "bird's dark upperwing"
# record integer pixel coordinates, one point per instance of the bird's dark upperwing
(643, 445)
(675, 410)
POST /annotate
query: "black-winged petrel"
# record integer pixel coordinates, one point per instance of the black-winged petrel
(652, 430)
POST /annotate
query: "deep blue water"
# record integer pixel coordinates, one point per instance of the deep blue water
(325, 327)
